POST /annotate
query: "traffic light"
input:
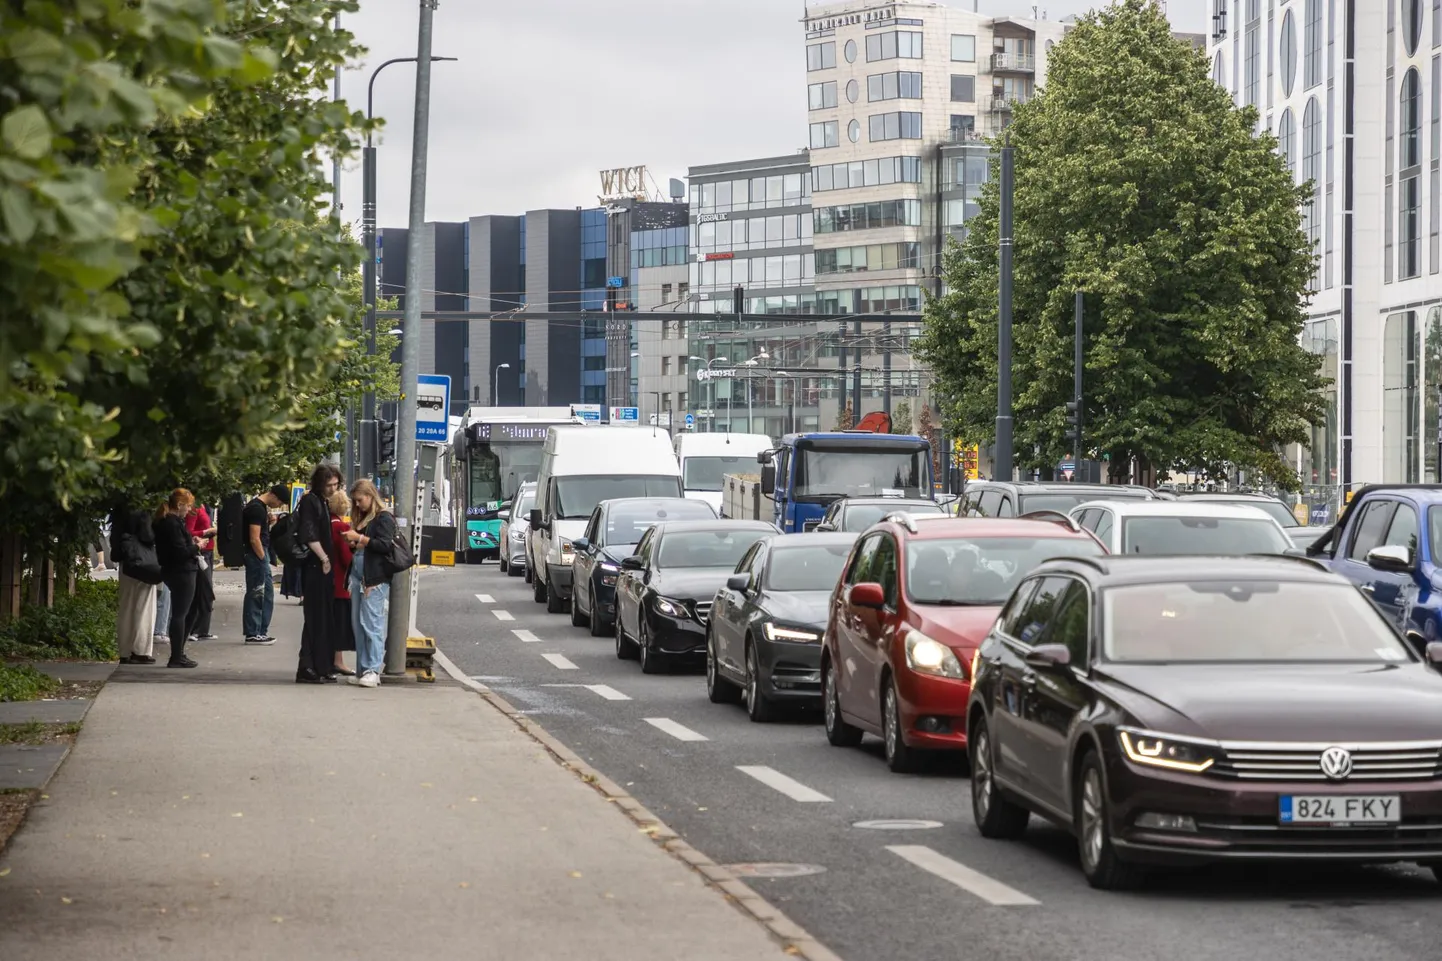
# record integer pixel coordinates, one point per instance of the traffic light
(388, 441)
(1072, 418)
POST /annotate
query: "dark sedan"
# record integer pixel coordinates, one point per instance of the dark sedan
(611, 536)
(664, 592)
(764, 635)
(1184, 710)
(856, 514)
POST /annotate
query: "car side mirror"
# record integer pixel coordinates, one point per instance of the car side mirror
(1393, 559)
(632, 563)
(868, 595)
(739, 582)
(579, 544)
(768, 479)
(1434, 653)
(535, 517)
(505, 508)
(824, 526)
(1047, 657)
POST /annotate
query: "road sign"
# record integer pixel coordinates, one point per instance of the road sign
(433, 404)
(626, 416)
(591, 413)
(443, 558)
(690, 420)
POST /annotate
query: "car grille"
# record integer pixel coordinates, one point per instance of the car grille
(703, 611)
(1264, 836)
(1256, 761)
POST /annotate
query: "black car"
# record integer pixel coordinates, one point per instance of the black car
(611, 536)
(664, 592)
(1180, 710)
(764, 634)
(1018, 498)
(856, 514)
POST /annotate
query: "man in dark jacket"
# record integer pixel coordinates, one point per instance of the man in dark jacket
(312, 519)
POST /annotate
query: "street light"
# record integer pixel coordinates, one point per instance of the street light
(750, 409)
(496, 384)
(792, 378)
(713, 395)
(368, 274)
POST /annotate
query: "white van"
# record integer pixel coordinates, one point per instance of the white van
(580, 467)
(706, 458)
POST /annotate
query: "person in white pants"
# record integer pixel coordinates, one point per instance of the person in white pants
(133, 551)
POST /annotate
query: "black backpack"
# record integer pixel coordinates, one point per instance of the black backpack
(282, 538)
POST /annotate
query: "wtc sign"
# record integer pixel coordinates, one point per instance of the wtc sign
(623, 182)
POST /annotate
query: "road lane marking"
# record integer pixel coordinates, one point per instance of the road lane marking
(485, 599)
(607, 691)
(679, 731)
(527, 637)
(988, 889)
(561, 661)
(503, 615)
(790, 787)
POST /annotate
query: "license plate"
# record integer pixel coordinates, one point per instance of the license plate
(1340, 810)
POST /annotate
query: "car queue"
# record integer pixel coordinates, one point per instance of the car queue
(1171, 680)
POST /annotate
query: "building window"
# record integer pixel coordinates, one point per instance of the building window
(1312, 45)
(1288, 53)
(824, 135)
(867, 173)
(850, 51)
(1287, 141)
(902, 125)
(1219, 19)
(1219, 71)
(821, 56)
(853, 131)
(1410, 220)
(963, 89)
(1253, 52)
(963, 48)
(903, 85)
(1311, 164)
(665, 366)
(1411, 25)
(1434, 180)
(665, 294)
(886, 213)
(1401, 350)
(821, 95)
(1411, 119)
(853, 90)
(846, 260)
(897, 44)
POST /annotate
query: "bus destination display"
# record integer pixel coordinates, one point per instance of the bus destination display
(521, 433)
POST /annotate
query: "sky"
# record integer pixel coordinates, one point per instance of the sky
(548, 93)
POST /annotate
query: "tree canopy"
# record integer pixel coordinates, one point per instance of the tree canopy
(1139, 182)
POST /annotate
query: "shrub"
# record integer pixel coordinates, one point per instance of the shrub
(21, 682)
(79, 627)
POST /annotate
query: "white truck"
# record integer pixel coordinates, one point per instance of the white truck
(705, 460)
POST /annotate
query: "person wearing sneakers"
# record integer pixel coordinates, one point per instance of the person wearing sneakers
(259, 602)
(179, 556)
(373, 530)
(197, 522)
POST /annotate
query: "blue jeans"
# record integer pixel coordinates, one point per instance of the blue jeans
(162, 612)
(368, 613)
(259, 601)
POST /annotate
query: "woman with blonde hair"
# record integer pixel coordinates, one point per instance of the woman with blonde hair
(374, 531)
(179, 555)
(342, 628)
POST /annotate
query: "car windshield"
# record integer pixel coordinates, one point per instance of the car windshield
(861, 472)
(715, 548)
(625, 523)
(1245, 620)
(1202, 535)
(1063, 503)
(525, 503)
(859, 517)
(577, 497)
(816, 567)
(705, 473)
(981, 571)
(1274, 509)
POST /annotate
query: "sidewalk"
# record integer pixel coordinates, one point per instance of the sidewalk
(227, 813)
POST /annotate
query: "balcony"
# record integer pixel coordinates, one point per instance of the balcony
(1002, 104)
(1013, 63)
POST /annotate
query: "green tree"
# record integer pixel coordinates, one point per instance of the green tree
(1139, 182)
(846, 419)
(901, 418)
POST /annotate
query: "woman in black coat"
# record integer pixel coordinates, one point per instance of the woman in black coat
(180, 562)
(312, 530)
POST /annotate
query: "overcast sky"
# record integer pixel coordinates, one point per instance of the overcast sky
(547, 93)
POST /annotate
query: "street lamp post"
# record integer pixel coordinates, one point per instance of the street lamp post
(368, 436)
(750, 399)
(496, 384)
(713, 394)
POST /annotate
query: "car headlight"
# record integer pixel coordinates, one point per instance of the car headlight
(517, 535)
(927, 656)
(671, 608)
(774, 633)
(609, 568)
(1166, 751)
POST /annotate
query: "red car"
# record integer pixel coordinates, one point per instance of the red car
(917, 597)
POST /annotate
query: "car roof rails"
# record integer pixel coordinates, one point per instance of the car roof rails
(1055, 517)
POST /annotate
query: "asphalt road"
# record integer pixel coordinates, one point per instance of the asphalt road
(924, 894)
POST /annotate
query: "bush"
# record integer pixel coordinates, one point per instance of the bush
(79, 627)
(21, 682)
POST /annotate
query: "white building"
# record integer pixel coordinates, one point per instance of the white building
(1375, 216)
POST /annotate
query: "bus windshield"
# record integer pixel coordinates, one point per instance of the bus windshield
(861, 471)
(498, 469)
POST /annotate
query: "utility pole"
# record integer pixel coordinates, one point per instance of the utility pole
(1077, 455)
(1002, 469)
(348, 470)
(408, 511)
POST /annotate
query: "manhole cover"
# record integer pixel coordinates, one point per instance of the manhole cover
(773, 870)
(897, 824)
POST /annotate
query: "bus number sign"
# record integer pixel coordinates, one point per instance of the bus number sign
(524, 433)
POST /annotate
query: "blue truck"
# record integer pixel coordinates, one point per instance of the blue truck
(1387, 542)
(806, 473)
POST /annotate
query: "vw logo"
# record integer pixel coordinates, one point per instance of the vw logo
(1336, 763)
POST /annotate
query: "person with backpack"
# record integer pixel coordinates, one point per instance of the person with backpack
(282, 541)
(375, 539)
(132, 543)
(259, 602)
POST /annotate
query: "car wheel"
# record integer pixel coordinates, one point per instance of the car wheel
(718, 689)
(900, 758)
(598, 624)
(513, 571)
(838, 732)
(505, 567)
(650, 660)
(1099, 861)
(577, 618)
(758, 707)
(996, 817)
(624, 649)
(1435, 867)
(555, 603)
(538, 590)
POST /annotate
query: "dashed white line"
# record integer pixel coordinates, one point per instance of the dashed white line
(527, 637)
(679, 731)
(790, 787)
(988, 889)
(503, 615)
(561, 661)
(607, 691)
(485, 599)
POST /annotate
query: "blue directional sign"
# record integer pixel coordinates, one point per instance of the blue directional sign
(615, 281)
(433, 405)
(626, 416)
(690, 420)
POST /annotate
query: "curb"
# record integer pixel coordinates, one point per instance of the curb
(796, 940)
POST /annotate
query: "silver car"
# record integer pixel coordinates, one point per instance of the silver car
(1182, 527)
(513, 531)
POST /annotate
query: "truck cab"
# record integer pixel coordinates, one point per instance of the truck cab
(705, 460)
(1385, 542)
(807, 473)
